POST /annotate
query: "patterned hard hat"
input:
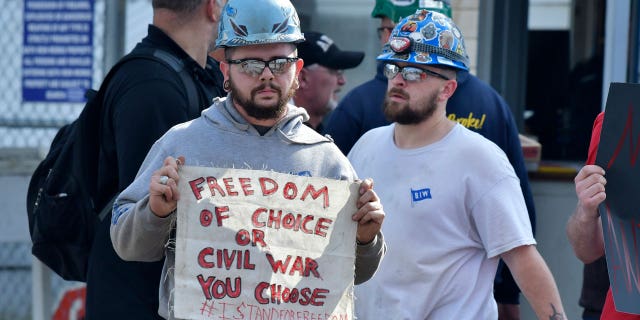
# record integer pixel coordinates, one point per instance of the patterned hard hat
(245, 22)
(398, 9)
(427, 37)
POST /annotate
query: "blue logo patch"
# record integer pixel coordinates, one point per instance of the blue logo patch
(118, 210)
(305, 173)
(421, 194)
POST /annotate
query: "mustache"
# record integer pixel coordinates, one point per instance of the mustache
(398, 91)
(269, 85)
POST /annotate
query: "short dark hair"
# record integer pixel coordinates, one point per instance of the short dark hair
(180, 6)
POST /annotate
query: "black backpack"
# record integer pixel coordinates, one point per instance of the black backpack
(60, 199)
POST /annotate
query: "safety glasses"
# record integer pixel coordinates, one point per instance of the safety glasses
(411, 74)
(255, 67)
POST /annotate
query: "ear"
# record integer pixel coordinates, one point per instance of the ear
(212, 10)
(302, 77)
(448, 89)
(299, 65)
(224, 67)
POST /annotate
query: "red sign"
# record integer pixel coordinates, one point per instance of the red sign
(72, 304)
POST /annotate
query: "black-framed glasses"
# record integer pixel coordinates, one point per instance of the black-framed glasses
(411, 74)
(381, 31)
(255, 67)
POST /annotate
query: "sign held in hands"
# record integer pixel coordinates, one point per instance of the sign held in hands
(620, 213)
(260, 244)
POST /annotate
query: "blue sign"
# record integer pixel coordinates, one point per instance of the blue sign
(57, 56)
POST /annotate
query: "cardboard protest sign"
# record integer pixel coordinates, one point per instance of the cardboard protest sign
(620, 212)
(257, 244)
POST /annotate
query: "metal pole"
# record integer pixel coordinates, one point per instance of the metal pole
(40, 290)
(485, 39)
(616, 44)
(114, 32)
(507, 54)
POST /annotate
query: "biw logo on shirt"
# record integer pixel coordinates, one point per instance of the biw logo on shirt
(420, 195)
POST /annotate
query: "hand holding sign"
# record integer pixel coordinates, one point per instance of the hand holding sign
(590, 183)
(163, 189)
(584, 229)
(370, 214)
(618, 152)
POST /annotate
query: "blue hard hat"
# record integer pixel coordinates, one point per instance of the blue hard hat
(427, 37)
(245, 22)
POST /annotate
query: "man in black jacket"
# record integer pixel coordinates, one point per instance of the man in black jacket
(144, 99)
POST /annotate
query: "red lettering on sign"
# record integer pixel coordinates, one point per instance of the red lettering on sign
(290, 221)
(205, 218)
(304, 266)
(245, 184)
(243, 237)
(214, 186)
(268, 186)
(268, 190)
(220, 216)
(218, 289)
(196, 187)
(322, 226)
(203, 253)
(290, 191)
(274, 293)
(315, 194)
(229, 186)
(225, 258)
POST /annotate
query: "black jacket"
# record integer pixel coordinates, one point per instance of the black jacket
(144, 99)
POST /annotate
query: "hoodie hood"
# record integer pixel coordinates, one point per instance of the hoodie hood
(290, 128)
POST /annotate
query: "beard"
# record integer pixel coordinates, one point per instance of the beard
(402, 113)
(262, 112)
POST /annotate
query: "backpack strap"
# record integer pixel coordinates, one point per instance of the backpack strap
(167, 59)
(187, 80)
(177, 65)
(107, 208)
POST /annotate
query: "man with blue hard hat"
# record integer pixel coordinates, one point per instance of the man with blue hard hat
(475, 104)
(453, 200)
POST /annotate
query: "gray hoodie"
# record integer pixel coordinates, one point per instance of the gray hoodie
(222, 138)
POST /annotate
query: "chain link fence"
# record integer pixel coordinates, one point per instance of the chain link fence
(33, 124)
(15, 275)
